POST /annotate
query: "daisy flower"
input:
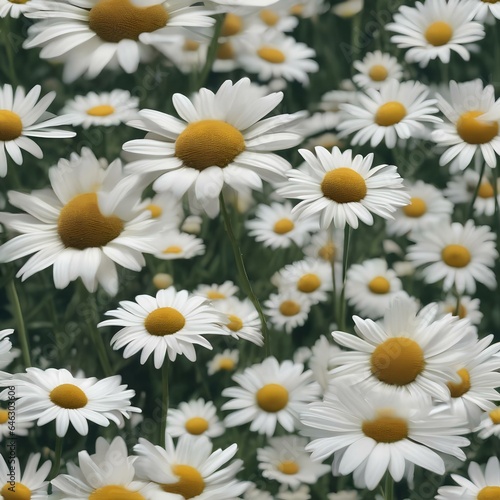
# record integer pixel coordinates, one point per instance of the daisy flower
(227, 361)
(270, 393)
(218, 141)
(196, 417)
(191, 469)
(91, 35)
(485, 7)
(370, 287)
(46, 395)
(490, 424)
(13, 9)
(375, 69)
(287, 309)
(253, 493)
(310, 277)
(108, 473)
(467, 308)
(30, 484)
(473, 128)
(376, 432)
(344, 189)
(287, 461)
(396, 110)
(427, 206)
(169, 324)
(461, 255)
(83, 227)
(484, 483)
(434, 29)
(177, 245)
(326, 245)
(349, 8)
(301, 493)
(215, 292)
(22, 117)
(409, 351)
(461, 187)
(347, 93)
(186, 54)
(242, 319)
(7, 430)
(276, 227)
(277, 17)
(272, 54)
(7, 354)
(104, 109)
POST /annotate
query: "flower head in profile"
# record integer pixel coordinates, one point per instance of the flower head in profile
(7, 354)
(220, 140)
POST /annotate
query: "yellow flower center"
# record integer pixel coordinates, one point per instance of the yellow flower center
(297, 10)
(289, 308)
(196, 426)
(209, 143)
(378, 73)
(11, 125)
(232, 25)
(283, 226)
(385, 428)
(164, 321)
(490, 1)
(272, 55)
(397, 361)
(343, 185)
(390, 113)
(81, 224)
(4, 416)
(269, 17)
(495, 416)
(458, 389)
(18, 1)
(379, 285)
(486, 190)
(191, 45)
(173, 249)
(225, 51)
(226, 364)
(115, 492)
(475, 131)
(155, 210)
(489, 492)
(455, 255)
(289, 467)
(190, 484)
(215, 295)
(116, 20)
(102, 110)
(327, 252)
(235, 324)
(68, 396)
(308, 283)
(20, 492)
(462, 311)
(416, 208)
(438, 33)
(272, 397)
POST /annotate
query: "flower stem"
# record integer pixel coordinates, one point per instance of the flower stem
(341, 321)
(245, 282)
(389, 487)
(476, 191)
(164, 400)
(57, 460)
(18, 315)
(212, 50)
(8, 49)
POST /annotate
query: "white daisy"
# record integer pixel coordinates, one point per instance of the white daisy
(461, 186)
(485, 7)
(326, 245)
(226, 361)
(301, 493)
(434, 29)
(46, 395)
(108, 473)
(461, 255)
(287, 461)
(7, 354)
(190, 470)
(14, 8)
(407, 352)
(169, 324)
(91, 35)
(396, 110)
(375, 69)
(269, 393)
(166, 209)
(188, 55)
(196, 417)
(276, 227)
(427, 206)
(276, 17)
(21, 117)
(86, 225)
(349, 8)
(287, 309)
(484, 483)
(272, 54)
(30, 484)
(467, 308)
(217, 292)
(474, 118)
(220, 141)
(177, 245)
(253, 493)
(370, 287)
(490, 424)
(347, 93)
(7, 430)
(375, 433)
(104, 109)
(344, 189)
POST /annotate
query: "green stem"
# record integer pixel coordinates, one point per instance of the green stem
(470, 214)
(212, 50)
(57, 460)
(8, 48)
(18, 315)
(457, 305)
(496, 215)
(245, 282)
(389, 487)
(164, 400)
(345, 263)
